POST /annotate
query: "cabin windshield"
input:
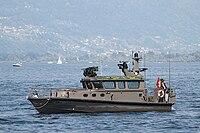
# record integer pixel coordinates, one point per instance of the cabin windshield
(121, 85)
(83, 83)
(133, 84)
(89, 85)
(109, 84)
(97, 84)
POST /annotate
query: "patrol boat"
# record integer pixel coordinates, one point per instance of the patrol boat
(105, 93)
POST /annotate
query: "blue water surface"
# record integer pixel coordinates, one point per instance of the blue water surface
(18, 115)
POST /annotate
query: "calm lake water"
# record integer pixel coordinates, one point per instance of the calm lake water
(18, 115)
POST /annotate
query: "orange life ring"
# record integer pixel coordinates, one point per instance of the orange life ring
(161, 93)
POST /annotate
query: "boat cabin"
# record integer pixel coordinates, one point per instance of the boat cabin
(131, 79)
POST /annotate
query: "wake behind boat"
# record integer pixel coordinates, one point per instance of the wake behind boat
(106, 93)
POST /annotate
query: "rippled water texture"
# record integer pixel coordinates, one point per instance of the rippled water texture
(18, 115)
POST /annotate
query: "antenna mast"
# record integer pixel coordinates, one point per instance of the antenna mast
(144, 71)
(169, 68)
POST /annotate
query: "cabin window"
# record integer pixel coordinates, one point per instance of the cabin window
(133, 84)
(121, 84)
(109, 85)
(97, 84)
(85, 95)
(102, 94)
(89, 85)
(93, 95)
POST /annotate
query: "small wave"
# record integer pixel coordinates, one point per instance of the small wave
(173, 109)
(4, 121)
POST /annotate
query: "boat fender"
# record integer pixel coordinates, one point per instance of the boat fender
(161, 93)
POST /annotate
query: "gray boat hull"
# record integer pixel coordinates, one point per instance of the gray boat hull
(58, 105)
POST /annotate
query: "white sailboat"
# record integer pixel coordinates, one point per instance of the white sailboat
(59, 61)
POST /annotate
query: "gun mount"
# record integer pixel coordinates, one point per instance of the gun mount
(90, 71)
